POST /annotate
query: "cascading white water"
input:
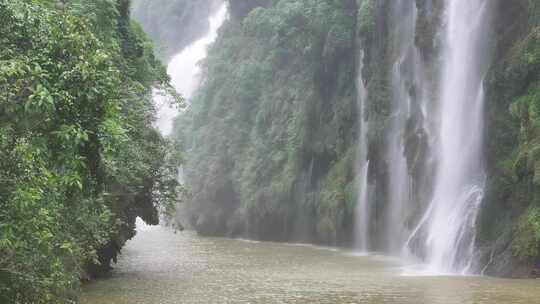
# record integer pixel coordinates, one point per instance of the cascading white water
(185, 71)
(185, 75)
(363, 206)
(447, 229)
(402, 75)
(391, 232)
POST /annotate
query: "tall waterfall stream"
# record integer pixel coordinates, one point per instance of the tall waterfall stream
(444, 237)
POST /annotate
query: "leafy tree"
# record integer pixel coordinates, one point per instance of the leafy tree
(79, 157)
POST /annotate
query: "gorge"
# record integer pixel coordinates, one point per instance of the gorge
(269, 151)
(379, 125)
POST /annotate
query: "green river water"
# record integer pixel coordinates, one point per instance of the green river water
(161, 267)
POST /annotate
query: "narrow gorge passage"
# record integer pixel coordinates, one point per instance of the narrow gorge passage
(184, 70)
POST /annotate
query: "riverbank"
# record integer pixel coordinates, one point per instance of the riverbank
(160, 266)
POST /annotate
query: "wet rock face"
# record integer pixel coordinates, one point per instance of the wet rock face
(511, 187)
(240, 8)
(286, 92)
(173, 24)
(427, 23)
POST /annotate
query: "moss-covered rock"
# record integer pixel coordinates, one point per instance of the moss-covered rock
(513, 141)
(275, 113)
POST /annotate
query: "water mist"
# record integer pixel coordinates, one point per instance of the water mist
(448, 227)
(185, 71)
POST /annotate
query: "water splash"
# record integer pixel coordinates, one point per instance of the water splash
(446, 233)
(142, 226)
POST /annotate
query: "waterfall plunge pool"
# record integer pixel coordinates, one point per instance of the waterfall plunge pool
(160, 266)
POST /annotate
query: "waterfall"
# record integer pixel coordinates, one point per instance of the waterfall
(448, 228)
(449, 110)
(363, 206)
(392, 232)
(402, 77)
(185, 71)
(185, 74)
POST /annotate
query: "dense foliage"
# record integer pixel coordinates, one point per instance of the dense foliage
(277, 99)
(510, 220)
(79, 157)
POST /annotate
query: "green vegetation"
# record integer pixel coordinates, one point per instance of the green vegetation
(273, 117)
(527, 242)
(270, 137)
(527, 163)
(510, 220)
(366, 18)
(79, 158)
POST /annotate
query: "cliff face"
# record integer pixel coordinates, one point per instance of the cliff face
(240, 8)
(272, 136)
(271, 142)
(510, 218)
(173, 24)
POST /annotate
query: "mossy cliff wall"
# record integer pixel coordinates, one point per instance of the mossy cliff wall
(510, 218)
(271, 141)
(272, 135)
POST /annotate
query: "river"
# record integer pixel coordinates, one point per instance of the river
(160, 266)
